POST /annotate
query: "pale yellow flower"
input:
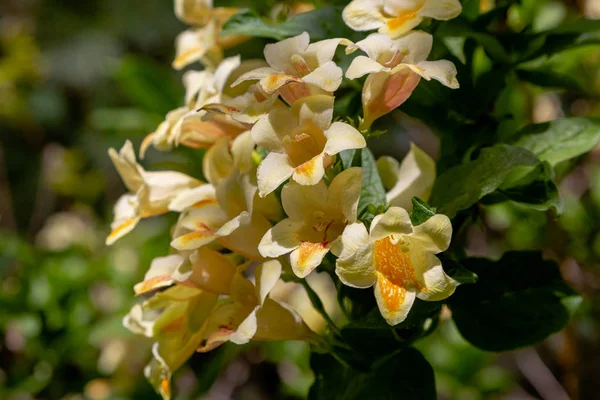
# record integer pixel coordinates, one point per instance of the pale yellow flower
(200, 12)
(150, 193)
(298, 69)
(395, 67)
(317, 215)
(302, 142)
(192, 126)
(237, 218)
(414, 177)
(398, 260)
(396, 17)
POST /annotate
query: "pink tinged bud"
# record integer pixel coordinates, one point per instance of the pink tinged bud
(383, 93)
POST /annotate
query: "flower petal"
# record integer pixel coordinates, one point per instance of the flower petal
(327, 76)
(364, 15)
(241, 150)
(281, 239)
(255, 75)
(441, 9)
(208, 270)
(188, 197)
(325, 49)
(246, 238)
(344, 192)
(434, 234)
(267, 275)
(353, 237)
(301, 201)
(397, 26)
(268, 130)
(272, 172)
(356, 267)
(341, 136)
(307, 257)
(316, 109)
(127, 166)
(443, 71)
(279, 54)
(415, 45)
(394, 301)
(361, 66)
(159, 274)
(393, 222)
(310, 172)
(415, 178)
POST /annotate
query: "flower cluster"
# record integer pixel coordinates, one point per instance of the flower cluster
(273, 198)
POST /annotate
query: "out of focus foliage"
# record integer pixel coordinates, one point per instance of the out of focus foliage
(78, 77)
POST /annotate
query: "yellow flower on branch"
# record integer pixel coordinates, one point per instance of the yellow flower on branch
(317, 215)
(396, 17)
(298, 69)
(302, 142)
(150, 193)
(395, 68)
(398, 259)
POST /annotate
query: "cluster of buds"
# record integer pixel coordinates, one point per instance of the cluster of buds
(272, 200)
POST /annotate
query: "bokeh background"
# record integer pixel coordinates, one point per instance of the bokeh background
(78, 77)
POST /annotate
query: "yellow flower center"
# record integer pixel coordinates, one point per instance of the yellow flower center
(306, 142)
(391, 257)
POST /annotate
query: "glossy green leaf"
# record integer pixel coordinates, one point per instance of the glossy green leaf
(322, 23)
(421, 211)
(464, 185)
(372, 195)
(561, 139)
(517, 301)
(403, 375)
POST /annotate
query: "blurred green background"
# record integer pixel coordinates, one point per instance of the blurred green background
(78, 77)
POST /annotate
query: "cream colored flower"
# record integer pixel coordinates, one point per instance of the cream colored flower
(414, 177)
(191, 126)
(398, 260)
(395, 68)
(236, 219)
(317, 215)
(302, 142)
(150, 193)
(396, 17)
(298, 69)
(200, 12)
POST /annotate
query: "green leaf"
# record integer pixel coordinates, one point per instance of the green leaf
(517, 301)
(548, 77)
(373, 192)
(561, 139)
(461, 28)
(347, 157)
(464, 185)
(322, 23)
(403, 375)
(421, 211)
(458, 272)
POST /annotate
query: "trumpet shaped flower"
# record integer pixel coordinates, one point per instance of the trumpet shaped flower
(302, 142)
(150, 193)
(414, 177)
(317, 216)
(298, 69)
(395, 67)
(396, 17)
(398, 260)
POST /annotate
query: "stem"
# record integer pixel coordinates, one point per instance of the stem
(318, 305)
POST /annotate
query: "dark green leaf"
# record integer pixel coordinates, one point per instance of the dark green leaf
(517, 301)
(460, 28)
(547, 77)
(561, 139)
(421, 211)
(373, 192)
(322, 23)
(402, 375)
(458, 272)
(464, 185)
